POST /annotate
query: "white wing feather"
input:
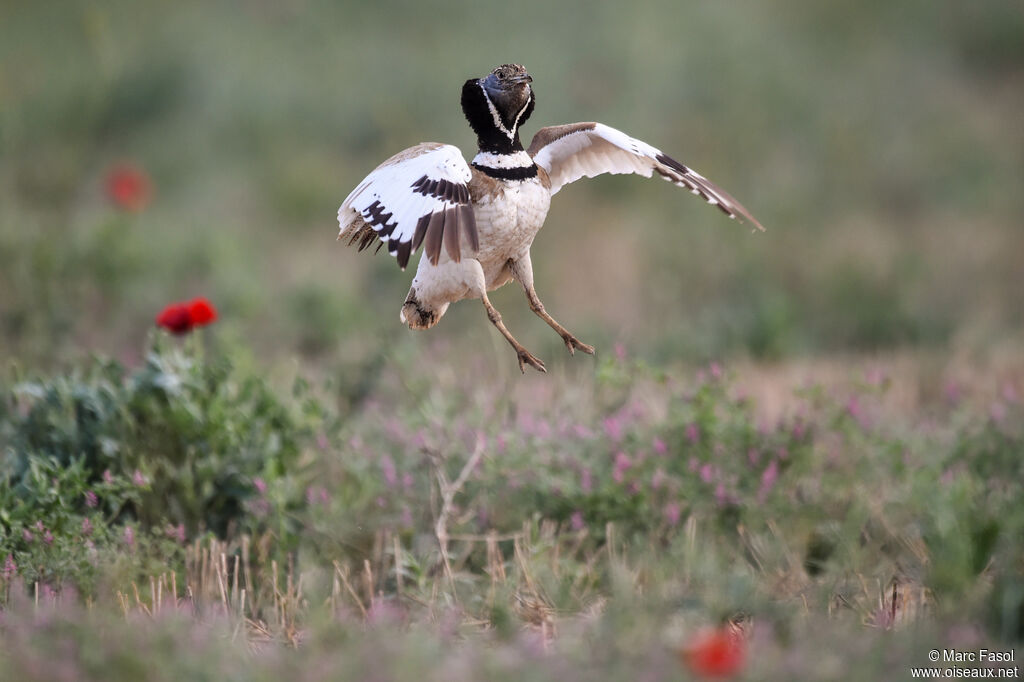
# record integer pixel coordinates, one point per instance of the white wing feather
(420, 187)
(578, 150)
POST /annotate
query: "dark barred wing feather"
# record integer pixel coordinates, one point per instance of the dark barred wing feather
(419, 196)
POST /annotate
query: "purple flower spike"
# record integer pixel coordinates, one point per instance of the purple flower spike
(10, 568)
(390, 473)
(768, 479)
(586, 481)
(692, 433)
(622, 464)
(672, 513)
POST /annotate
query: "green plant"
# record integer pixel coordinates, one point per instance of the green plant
(204, 444)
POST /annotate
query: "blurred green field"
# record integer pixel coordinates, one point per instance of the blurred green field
(862, 441)
(881, 146)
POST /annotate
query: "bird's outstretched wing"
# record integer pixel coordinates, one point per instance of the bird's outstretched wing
(570, 152)
(418, 196)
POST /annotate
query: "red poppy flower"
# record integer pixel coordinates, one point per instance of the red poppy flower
(179, 318)
(128, 187)
(175, 318)
(201, 311)
(715, 653)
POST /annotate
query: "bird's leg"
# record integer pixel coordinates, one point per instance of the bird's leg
(522, 270)
(524, 355)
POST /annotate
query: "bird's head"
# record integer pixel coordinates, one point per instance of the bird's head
(508, 88)
(497, 104)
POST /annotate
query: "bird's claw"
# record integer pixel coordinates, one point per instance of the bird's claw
(572, 343)
(530, 359)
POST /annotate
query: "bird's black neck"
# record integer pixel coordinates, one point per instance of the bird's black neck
(495, 132)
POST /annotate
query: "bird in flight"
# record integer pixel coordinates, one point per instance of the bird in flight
(477, 221)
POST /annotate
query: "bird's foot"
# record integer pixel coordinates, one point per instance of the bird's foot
(529, 358)
(572, 343)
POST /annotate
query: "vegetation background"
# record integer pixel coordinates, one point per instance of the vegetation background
(880, 143)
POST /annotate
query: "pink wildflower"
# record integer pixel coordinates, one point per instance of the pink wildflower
(613, 428)
(176, 533)
(576, 521)
(768, 478)
(138, 479)
(856, 410)
(387, 465)
(90, 499)
(317, 494)
(672, 512)
(953, 392)
(260, 485)
(86, 527)
(586, 481)
(659, 446)
(622, 463)
(692, 432)
(658, 478)
(129, 536)
(10, 568)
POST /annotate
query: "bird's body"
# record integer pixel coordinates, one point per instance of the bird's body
(509, 214)
(477, 222)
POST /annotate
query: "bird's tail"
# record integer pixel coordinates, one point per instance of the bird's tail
(418, 314)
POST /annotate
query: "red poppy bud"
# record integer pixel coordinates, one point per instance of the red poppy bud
(715, 653)
(175, 318)
(128, 187)
(201, 312)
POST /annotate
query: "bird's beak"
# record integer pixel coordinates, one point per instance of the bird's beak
(525, 78)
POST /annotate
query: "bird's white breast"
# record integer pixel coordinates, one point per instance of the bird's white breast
(507, 221)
